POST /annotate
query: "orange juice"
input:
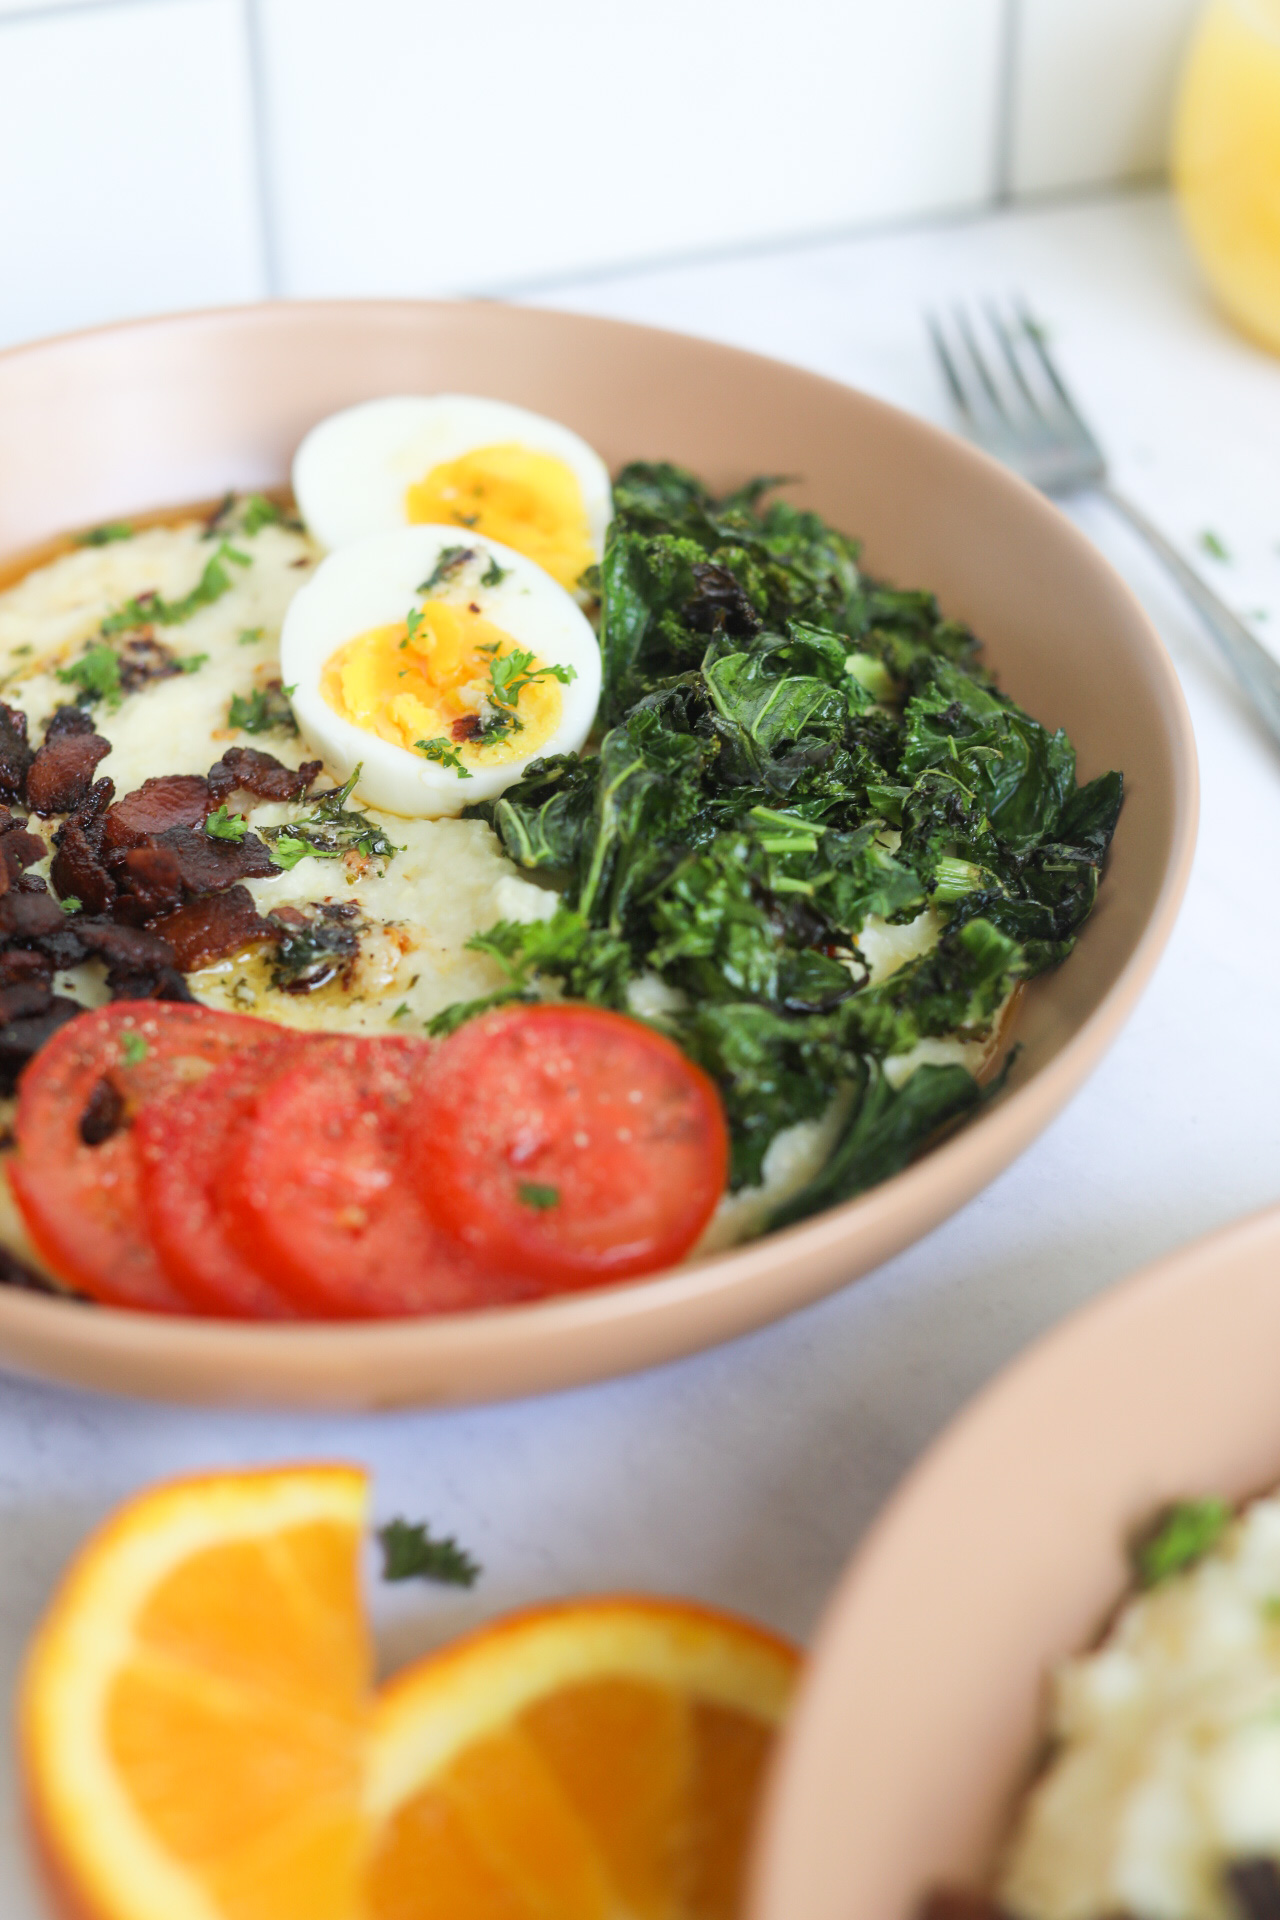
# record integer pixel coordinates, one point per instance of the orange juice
(1227, 158)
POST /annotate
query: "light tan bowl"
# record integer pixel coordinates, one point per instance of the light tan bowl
(923, 1711)
(128, 418)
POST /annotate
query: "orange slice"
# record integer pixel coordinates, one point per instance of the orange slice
(194, 1708)
(599, 1760)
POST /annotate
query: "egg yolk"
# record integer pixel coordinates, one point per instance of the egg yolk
(530, 501)
(437, 685)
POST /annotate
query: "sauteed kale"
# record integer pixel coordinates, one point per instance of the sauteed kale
(789, 747)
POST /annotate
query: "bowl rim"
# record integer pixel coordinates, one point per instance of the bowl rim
(788, 1832)
(272, 1363)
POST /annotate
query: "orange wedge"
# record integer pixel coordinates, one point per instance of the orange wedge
(194, 1708)
(599, 1760)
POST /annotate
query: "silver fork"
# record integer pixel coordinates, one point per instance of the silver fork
(1015, 404)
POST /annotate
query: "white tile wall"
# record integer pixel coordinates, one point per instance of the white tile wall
(126, 175)
(1093, 89)
(163, 153)
(420, 145)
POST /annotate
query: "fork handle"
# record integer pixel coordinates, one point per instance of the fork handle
(1257, 670)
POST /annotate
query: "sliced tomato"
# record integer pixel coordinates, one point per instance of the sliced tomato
(316, 1190)
(569, 1143)
(80, 1201)
(181, 1145)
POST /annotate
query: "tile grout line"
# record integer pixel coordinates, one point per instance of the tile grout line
(27, 16)
(1006, 101)
(263, 170)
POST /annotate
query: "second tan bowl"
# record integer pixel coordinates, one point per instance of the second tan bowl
(108, 423)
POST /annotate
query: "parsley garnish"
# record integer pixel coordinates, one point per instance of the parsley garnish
(134, 1049)
(448, 756)
(259, 512)
(409, 1551)
(1184, 1535)
(412, 620)
(97, 674)
(151, 610)
(403, 1008)
(509, 675)
(265, 710)
(71, 905)
(105, 536)
(287, 850)
(531, 1194)
(1214, 545)
(250, 636)
(330, 831)
(493, 575)
(222, 825)
(192, 663)
(451, 561)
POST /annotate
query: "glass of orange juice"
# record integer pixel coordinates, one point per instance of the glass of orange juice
(1226, 158)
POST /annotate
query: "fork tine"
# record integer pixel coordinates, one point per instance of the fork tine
(1033, 332)
(980, 367)
(1002, 334)
(948, 365)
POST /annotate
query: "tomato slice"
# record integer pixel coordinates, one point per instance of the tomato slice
(570, 1143)
(181, 1146)
(316, 1191)
(80, 1201)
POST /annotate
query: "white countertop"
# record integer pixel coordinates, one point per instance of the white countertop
(745, 1476)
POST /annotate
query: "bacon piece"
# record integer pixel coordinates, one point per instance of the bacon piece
(260, 774)
(150, 882)
(59, 777)
(19, 965)
(26, 996)
(210, 928)
(22, 1038)
(15, 755)
(208, 865)
(126, 947)
(19, 850)
(29, 916)
(103, 1113)
(174, 800)
(77, 872)
(143, 659)
(148, 983)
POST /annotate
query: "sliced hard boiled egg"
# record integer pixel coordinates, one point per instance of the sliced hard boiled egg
(451, 459)
(440, 667)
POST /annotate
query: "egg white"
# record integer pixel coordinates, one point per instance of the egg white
(374, 582)
(352, 471)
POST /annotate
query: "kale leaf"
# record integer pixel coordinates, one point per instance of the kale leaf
(796, 758)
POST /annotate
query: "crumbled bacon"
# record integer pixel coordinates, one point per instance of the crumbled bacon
(60, 776)
(174, 800)
(24, 997)
(142, 658)
(15, 754)
(208, 865)
(211, 927)
(150, 884)
(29, 916)
(467, 726)
(18, 850)
(260, 774)
(77, 871)
(22, 1038)
(23, 964)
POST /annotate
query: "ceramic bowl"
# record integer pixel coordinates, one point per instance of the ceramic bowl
(923, 1713)
(103, 424)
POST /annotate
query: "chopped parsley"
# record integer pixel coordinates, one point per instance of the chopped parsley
(105, 536)
(540, 1198)
(451, 561)
(222, 825)
(493, 575)
(97, 674)
(1184, 1534)
(509, 675)
(329, 831)
(250, 636)
(134, 1049)
(401, 1010)
(412, 620)
(259, 512)
(71, 905)
(440, 750)
(265, 710)
(192, 663)
(1214, 545)
(152, 610)
(411, 1552)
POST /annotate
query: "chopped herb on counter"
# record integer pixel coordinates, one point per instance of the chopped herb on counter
(1182, 1536)
(411, 1552)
